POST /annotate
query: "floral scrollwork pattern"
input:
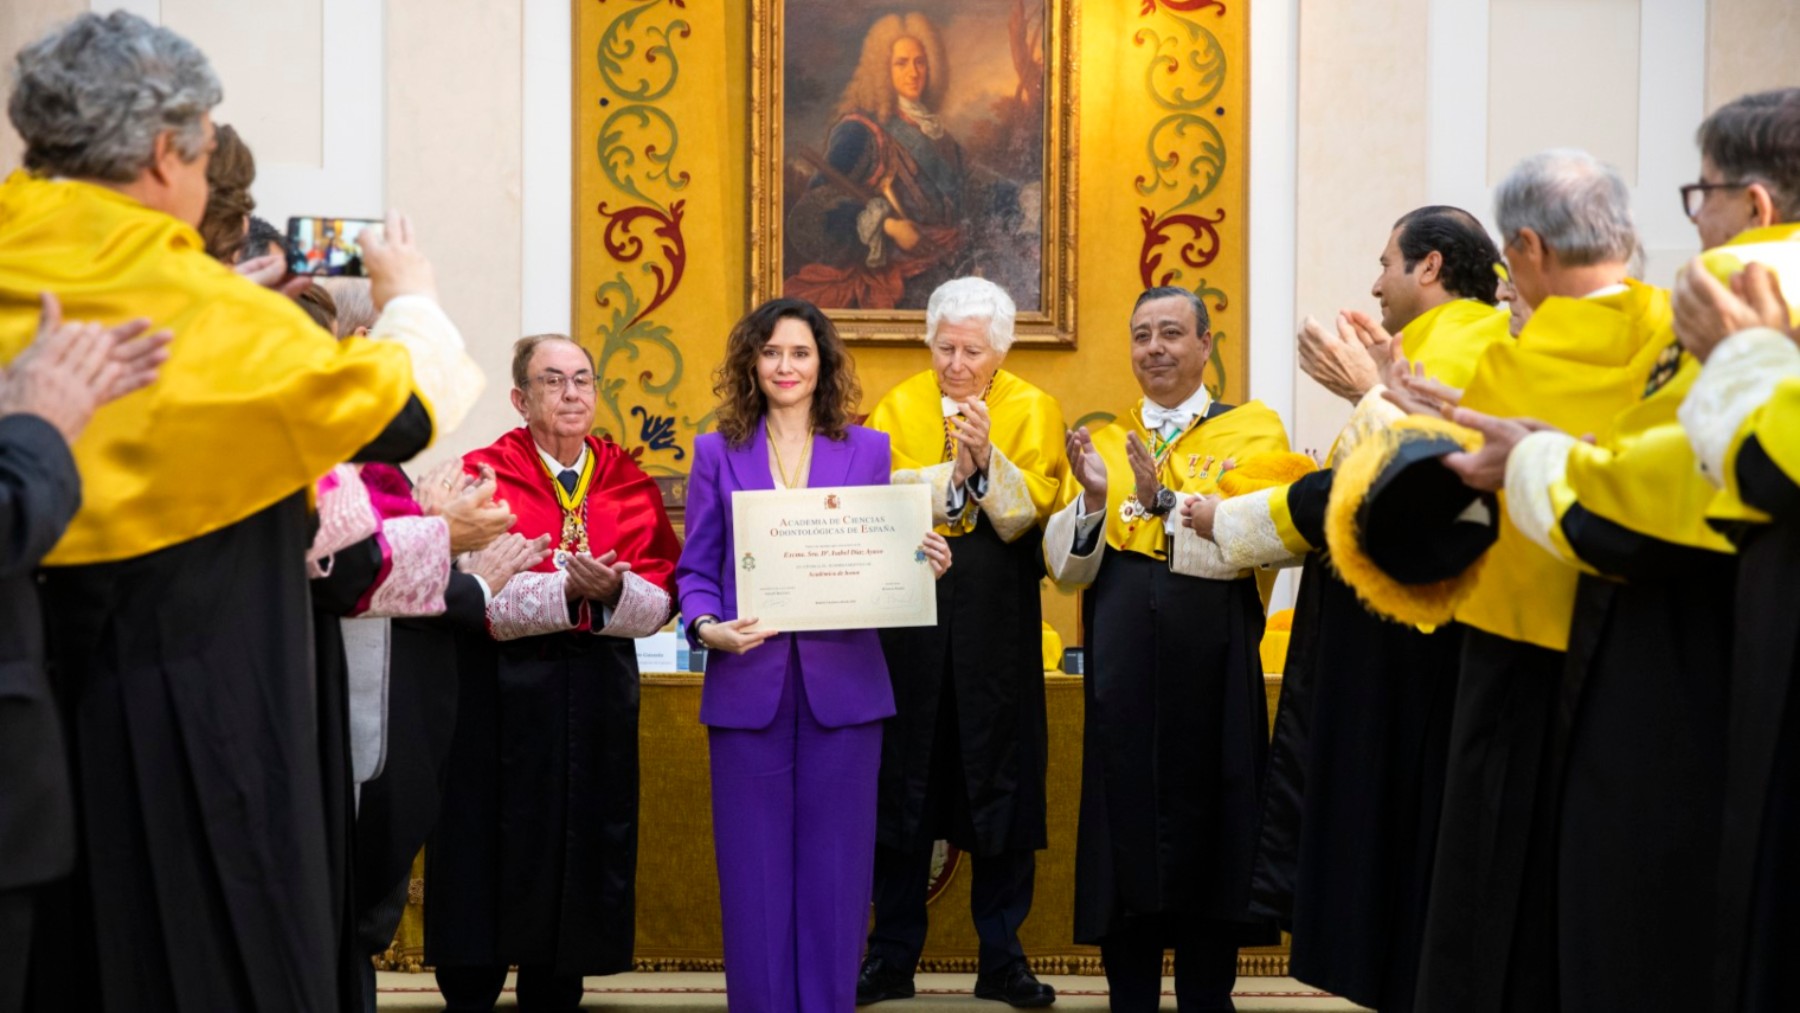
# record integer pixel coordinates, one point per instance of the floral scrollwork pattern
(639, 364)
(1185, 72)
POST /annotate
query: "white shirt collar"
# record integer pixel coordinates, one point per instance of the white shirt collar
(1194, 407)
(1601, 293)
(557, 467)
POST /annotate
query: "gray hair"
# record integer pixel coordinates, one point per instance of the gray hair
(91, 97)
(964, 299)
(355, 307)
(1578, 205)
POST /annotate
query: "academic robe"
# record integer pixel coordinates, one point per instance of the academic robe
(1641, 738)
(1743, 419)
(177, 605)
(535, 856)
(1175, 734)
(39, 492)
(1350, 807)
(373, 558)
(1490, 939)
(986, 649)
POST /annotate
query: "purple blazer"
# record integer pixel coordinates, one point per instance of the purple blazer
(842, 671)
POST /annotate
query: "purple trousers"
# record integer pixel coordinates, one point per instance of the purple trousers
(794, 832)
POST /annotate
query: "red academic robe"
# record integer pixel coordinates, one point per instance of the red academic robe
(535, 856)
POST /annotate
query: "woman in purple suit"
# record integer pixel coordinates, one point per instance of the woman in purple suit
(794, 719)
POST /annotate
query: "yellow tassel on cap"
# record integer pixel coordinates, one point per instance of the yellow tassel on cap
(1266, 470)
(1426, 605)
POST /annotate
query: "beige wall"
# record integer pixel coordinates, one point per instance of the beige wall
(1365, 139)
(454, 160)
(1361, 164)
(455, 151)
(20, 22)
(1752, 45)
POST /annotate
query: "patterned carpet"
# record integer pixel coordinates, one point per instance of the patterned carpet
(694, 993)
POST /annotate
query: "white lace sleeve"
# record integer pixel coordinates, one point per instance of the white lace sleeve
(529, 605)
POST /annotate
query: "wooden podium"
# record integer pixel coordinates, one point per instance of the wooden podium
(678, 925)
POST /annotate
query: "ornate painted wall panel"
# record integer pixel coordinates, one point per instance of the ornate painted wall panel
(663, 203)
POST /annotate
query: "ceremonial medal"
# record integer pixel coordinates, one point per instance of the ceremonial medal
(1193, 462)
(573, 537)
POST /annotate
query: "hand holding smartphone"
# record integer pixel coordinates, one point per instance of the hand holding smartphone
(326, 246)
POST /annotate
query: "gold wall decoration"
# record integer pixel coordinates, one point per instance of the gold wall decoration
(892, 149)
(1157, 128)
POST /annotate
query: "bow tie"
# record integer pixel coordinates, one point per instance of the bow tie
(1157, 418)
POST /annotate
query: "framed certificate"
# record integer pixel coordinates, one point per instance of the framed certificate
(834, 559)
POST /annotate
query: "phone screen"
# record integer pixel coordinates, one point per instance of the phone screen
(326, 246)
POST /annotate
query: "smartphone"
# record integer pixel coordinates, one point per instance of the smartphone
(326, 246)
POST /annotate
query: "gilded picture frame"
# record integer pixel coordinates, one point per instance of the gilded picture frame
(844, 142)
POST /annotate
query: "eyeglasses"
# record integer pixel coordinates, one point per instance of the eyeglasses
(1694, 194)
(583, 382)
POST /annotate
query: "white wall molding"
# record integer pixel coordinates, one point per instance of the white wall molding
(548, 198)
(350, 180)
(1273, 237)
(1274, 162)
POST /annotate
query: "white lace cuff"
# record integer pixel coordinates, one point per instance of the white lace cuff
(1537, 464)
(1007, 499)
(1194, 556)
(1245, 531)
(1373, 414)
(1060, 537)
(642, 609)
(529, 605)
(937, 476)
(418, 568)
(1740, 376)
(346, 516)
(869, 230)
(442, 371)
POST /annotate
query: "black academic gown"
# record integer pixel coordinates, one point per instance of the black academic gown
(1640, 757)
(187, 680)
(986, 653)
(1174, 744)
(39, 492)
(546, 746)
(1355, 782)
(353, 571)
(1489, 938)
(400, 807)
(1758, 930)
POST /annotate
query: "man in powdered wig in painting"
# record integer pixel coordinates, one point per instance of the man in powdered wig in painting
(896, 211)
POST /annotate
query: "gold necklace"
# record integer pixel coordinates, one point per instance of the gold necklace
(950, 427)
(799, 472)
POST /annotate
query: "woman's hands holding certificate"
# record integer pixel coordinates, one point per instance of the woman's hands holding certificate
(735, 637)
(937, 552)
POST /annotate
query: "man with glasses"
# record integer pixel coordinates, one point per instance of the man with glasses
(535, 856)
(1639, 754)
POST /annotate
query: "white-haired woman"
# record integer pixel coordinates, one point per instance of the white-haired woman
(963, 759)
(889, 221)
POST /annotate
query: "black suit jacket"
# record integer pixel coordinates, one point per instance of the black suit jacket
(39, 492)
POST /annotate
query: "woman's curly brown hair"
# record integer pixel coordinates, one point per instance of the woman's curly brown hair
(228, 202)
(741, 401)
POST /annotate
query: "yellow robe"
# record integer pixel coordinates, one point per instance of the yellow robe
(1027, 466)
(254, 404)
(1190, 468)
(1448, 339)
(1577, 365)
(1644, 475)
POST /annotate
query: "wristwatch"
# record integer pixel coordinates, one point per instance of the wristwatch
(1165, 502)
(701, 623)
